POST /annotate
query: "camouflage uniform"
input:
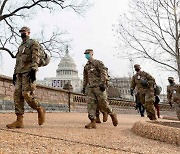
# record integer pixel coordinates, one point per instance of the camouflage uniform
(146, 93)
(173, 95)
(105, 116)
(94, 75)
(27, 58)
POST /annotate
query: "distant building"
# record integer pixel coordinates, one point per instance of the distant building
(66, 73)
(163, 98)
(120, 87)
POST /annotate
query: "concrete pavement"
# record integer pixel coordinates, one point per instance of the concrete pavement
(65, 133)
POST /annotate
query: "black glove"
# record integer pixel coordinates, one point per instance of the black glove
(144, 83)
(132, 92)
(14, 79)
(32, 75)
(170, 104)
(83, 91)
(102, 87)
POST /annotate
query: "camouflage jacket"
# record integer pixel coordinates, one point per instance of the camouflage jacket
(136, 82)
(27, 57)
(173, 93)
(94, 74)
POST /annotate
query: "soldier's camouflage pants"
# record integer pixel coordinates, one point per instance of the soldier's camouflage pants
(24, 91)
(147, 99)
(97, 98)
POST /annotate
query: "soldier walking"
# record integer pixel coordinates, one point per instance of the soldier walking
(173, 95)
(139, 106)
(105, 116)
(24, 78)
(94, 77)
(144, 84)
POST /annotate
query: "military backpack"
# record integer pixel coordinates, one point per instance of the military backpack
(44, 58)
(157, 90)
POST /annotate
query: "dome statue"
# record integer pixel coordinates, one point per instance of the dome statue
(66, 75)
(67, 66)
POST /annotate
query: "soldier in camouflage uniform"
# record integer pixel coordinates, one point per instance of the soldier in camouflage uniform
(95, 76)
(105, 115)
(24, 77)
(144, 84)
(173, 95)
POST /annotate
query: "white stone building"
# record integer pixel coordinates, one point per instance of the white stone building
(119, 87)
(66, 73)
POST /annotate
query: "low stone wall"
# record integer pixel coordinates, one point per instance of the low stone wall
(157, 131)
(51, 98)
(59, 100)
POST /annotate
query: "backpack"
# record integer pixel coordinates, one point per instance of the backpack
(157, 90)
(44, 58)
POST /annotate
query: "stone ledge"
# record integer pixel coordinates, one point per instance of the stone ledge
(157, 131)
(170, 118)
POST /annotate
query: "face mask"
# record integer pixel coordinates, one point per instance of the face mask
(171, 81)
(87, 56)
(137, 69)
(23, 35)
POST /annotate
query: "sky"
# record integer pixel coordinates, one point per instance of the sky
(92, 30)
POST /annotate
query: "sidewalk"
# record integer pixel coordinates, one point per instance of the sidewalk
(65, 133)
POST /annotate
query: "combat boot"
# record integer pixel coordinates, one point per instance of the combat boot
(105, 116)
(41, 115)
(98, 119)
(91, 125)
(114, 119)
(18, 123)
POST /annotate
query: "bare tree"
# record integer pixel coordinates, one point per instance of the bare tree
(14, 12)
(151, 29)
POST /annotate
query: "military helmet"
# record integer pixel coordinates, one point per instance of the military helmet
(171, 78)
(24, 29)
(88, 51)
(136, 66)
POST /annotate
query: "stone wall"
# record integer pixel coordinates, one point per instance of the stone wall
(58, 100)
(51, 98)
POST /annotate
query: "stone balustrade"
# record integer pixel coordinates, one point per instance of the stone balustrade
(54, 99)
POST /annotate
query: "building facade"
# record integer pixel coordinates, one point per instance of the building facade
(120, 88)
(66, 73)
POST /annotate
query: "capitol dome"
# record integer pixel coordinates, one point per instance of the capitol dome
(65, 73)
(67, 66)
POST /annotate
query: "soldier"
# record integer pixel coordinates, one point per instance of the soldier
(173, 95)
(24, 78)
(144, 83)
(139, 106)
(156, 105)
(105, 115)
(95, 76)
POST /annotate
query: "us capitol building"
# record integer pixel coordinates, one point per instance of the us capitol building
(66, 73)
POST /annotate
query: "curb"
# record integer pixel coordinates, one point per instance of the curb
(170, 118)
(157, 132)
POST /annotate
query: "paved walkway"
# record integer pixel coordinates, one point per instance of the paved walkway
(65, 133)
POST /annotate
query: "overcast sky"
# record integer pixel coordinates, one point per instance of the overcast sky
(94, 30)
